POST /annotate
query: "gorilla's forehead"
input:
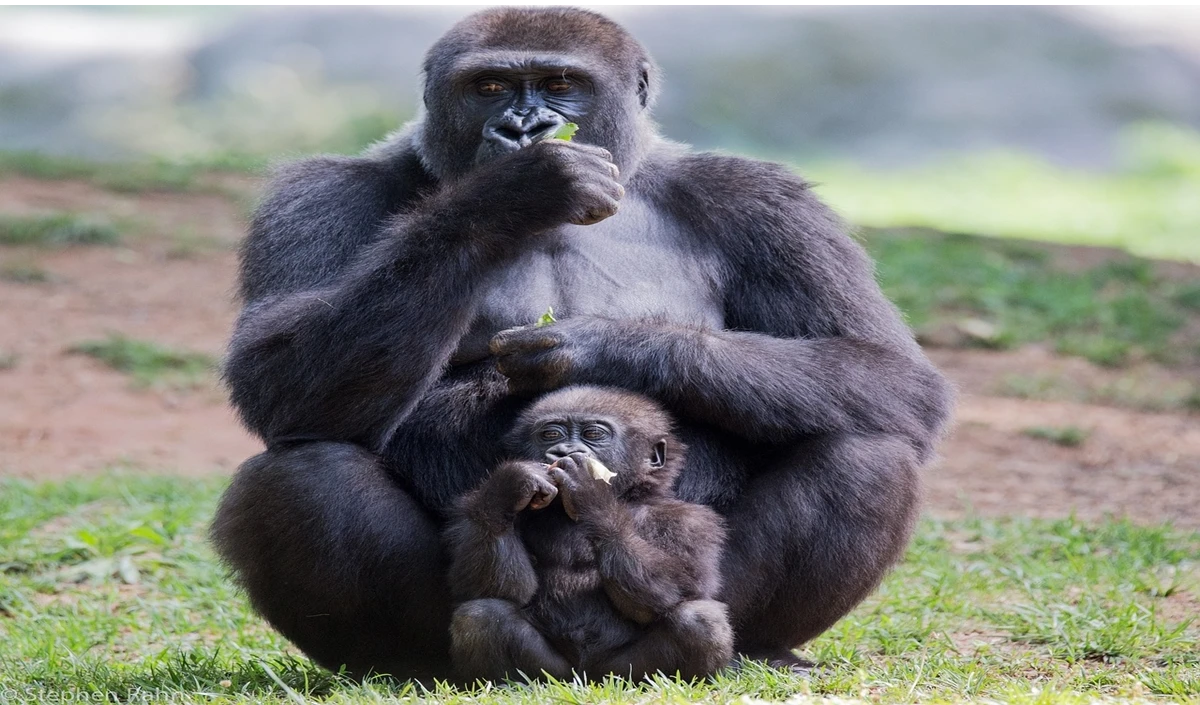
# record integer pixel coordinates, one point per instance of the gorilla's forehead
(613, 406)
(558, 32)
(521, 60)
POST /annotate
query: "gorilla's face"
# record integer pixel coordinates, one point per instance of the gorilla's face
(636, 455)
(514, 106)
(559, 436)
(506, 78)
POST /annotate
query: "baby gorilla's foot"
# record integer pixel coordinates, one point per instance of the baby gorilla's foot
(703, 636)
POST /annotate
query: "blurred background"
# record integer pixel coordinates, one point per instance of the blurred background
(1028, 180)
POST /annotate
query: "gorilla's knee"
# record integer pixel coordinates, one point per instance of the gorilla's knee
(707, 620)
(492, 640)
(815, 534)
(280, 518)
(337, 557)
(703, 633)
(480, 617)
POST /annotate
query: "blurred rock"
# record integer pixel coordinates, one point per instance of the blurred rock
(893, 84)
(887, 85)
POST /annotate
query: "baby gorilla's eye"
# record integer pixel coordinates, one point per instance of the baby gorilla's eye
(595, 433)
(550, 434)
(558, 86)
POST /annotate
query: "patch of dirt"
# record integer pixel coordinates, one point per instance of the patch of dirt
(1133, 462)
(63, 413)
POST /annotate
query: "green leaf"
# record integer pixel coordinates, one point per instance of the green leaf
(566, 132)
(546, 319)
(145, 532)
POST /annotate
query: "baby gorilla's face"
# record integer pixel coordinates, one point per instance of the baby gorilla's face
(557, 437)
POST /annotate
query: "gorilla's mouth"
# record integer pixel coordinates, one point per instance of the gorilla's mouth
(504, 134)
(504, 139)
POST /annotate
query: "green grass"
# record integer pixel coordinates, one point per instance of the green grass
(1068, 436)
(1003, 293)
(126, 177)
(55, 230)
(108, 589)
(1148, 207)
(149, 363)
(24, 272)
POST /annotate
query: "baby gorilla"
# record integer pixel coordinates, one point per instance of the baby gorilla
(557, 571)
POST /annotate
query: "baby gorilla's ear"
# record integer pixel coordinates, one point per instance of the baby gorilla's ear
(658, 454)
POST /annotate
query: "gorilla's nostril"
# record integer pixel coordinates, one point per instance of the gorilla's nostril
(511, 134)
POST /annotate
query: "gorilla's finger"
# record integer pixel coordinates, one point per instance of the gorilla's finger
(533, 372)
(569, 507)
(559, 477)
(587, 149)
(605, 205)
(569, 465)
(576, 466)
(603, 165)
(544, 495)
(522, 339)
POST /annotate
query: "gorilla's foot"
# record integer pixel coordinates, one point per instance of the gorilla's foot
(781, 659)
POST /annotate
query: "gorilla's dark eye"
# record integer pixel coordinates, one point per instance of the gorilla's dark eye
(595, 433)
(559, 85)
(489, 88)
(550, 434)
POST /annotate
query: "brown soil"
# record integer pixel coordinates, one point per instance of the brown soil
(172, 282)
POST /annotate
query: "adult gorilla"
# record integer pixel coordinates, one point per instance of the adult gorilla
(377, 356)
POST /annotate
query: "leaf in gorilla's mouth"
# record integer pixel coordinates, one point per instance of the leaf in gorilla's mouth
(599, 471)
(566, 132)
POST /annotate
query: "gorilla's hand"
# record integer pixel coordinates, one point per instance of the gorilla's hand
(583, 179)
(512, 488)
(537, 360)
(583, 496)
(548, 184)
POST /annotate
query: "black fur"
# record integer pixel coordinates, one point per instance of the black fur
(561, 573)
(367, 355)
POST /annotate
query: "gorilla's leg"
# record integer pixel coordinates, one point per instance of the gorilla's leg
(492, 640)
(694, 640)
(339, 559)
(813, 535)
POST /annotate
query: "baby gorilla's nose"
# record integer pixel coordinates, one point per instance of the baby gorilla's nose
(562, 450)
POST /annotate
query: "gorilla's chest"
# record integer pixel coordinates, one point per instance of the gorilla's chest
(632, 265)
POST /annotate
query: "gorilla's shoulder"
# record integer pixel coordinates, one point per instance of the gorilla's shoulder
(730, 197)
(317, 212)
(740, 174)
(388, 172)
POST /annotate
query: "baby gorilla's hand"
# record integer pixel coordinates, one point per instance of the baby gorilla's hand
(513, 487)
(583, 496)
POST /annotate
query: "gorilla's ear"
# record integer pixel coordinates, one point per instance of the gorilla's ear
(658, 454)
(644, 84)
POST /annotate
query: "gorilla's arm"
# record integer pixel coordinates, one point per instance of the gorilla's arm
(653, 557)
(651, 554)
(361, 275)
(811, 345)
(487, 557)
(329, 344)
